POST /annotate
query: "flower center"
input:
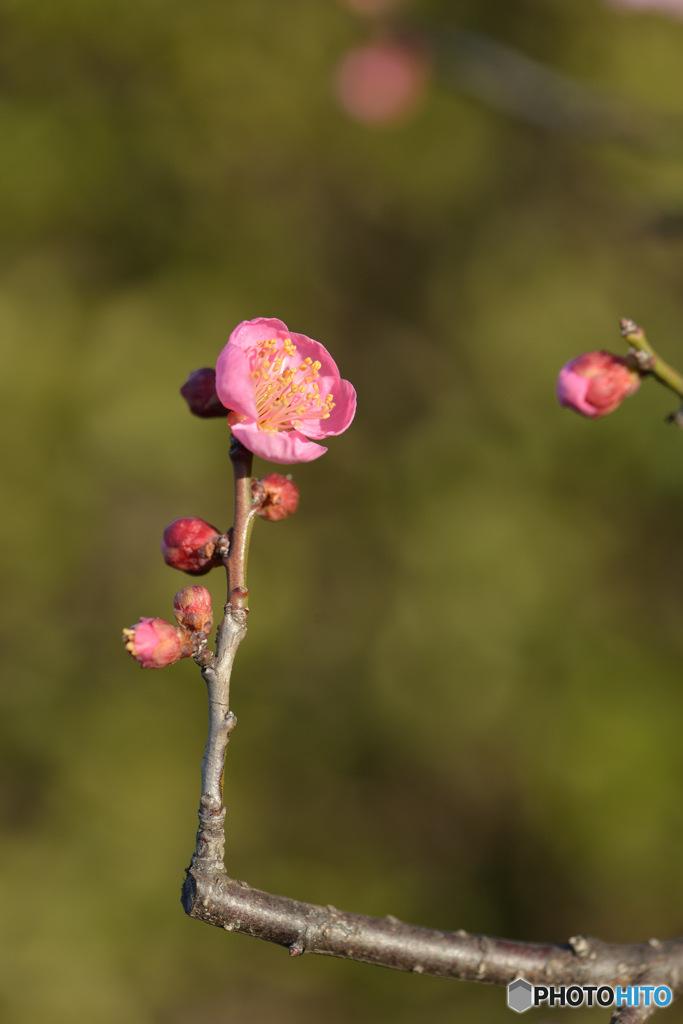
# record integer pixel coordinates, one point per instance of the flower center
(285, 397)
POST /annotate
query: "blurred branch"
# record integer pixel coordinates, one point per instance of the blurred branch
(514, 84)
(210, 895)
(648, 360)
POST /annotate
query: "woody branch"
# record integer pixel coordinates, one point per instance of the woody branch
(277, 406)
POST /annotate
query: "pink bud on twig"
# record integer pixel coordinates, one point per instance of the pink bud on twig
(192, 607)
(189, 544)
(199, 391)
(279, 497)
(155, 643)
(596, 383)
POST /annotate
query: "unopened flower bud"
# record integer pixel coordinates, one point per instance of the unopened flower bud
(192, 607)
(189, 544)
(199, 391)
(155, 643)
(279, 497)
(596, 383)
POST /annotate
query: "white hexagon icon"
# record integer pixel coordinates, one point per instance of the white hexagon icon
(520, 995)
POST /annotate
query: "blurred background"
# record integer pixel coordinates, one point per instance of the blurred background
(460, 699)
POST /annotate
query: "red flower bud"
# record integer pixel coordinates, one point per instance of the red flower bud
(279, 497)
(199, 391)
(192, 607)
(156, 643)
(596, 383)
(189, 544)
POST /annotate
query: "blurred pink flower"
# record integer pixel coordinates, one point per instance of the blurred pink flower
(596, 383)
(666, 6)
(380, 82)
(283, 388)
(372, 6)
(155, 643)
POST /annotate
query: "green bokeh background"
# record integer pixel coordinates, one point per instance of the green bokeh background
(460, 699)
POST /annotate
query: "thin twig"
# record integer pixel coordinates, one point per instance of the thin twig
(650, 361)
(210, 848)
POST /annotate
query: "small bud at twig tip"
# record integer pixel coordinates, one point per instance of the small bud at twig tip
(630, 328)
(296, 949)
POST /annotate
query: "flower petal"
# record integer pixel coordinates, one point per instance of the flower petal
(571, 392)
(280, 446)
(307, 347)
(263, 328)
(234, 384)
(250, 332)
(344, 397)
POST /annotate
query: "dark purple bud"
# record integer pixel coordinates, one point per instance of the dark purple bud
(199, 391)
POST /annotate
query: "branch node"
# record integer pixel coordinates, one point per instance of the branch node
(223, 544)
(641, 361)
(238, 600)
(581, 947)
(675, 417)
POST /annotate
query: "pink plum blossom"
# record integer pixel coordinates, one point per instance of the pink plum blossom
(283, 388)
(596, 383)
(380, 82)
(674, 7)
(155, 643)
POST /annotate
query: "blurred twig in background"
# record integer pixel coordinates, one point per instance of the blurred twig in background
(526, 89)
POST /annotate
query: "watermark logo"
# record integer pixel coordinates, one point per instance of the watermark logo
(522, 995)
